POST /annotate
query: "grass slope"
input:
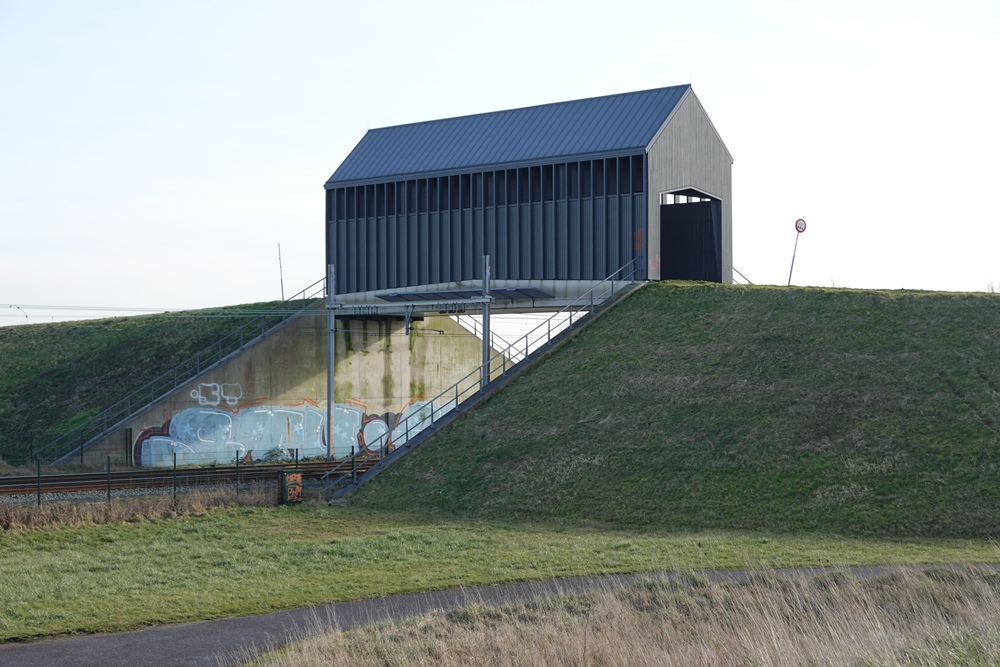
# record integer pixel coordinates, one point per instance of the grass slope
(55, 376)
(696, 406)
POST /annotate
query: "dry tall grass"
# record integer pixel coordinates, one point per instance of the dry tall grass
(29, 516)
(908, 617)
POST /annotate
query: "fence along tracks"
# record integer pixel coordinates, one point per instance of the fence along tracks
(161, 477)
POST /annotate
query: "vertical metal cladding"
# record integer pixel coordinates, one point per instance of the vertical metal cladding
(566, 220)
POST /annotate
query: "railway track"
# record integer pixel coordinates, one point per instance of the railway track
(118, 480)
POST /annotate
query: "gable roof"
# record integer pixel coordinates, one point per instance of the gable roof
(613, 123)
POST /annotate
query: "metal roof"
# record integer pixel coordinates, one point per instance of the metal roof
(614, 123)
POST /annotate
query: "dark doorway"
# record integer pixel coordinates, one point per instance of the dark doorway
(690, 240)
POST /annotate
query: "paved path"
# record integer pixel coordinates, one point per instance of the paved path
(222, 641)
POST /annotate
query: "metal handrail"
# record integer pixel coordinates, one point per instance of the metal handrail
(455, 394)
(109, 418)
(475, 329)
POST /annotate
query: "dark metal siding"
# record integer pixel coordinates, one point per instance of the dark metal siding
(561, 221)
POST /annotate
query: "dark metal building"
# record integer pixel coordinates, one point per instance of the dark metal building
(559, 195)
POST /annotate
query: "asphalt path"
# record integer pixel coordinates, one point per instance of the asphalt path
(231, 641)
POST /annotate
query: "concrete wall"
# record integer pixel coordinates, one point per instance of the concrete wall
(271, 398)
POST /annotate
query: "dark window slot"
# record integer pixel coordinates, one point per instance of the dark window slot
(488, 189)
(477, 190)
(638, 173)
(624, 181)
(501, 183)
(536, 184)
(456, 193)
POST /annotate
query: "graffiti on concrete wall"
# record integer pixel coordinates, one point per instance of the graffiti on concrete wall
(220, 430)
(214, 393)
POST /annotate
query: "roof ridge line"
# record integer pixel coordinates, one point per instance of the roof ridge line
(533, 106)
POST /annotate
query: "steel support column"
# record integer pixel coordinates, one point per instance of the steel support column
(331, 353)
(486, 323)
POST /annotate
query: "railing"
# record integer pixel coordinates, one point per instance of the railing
(427, 414)
(111, 417)
(553, 326)
(474, 326)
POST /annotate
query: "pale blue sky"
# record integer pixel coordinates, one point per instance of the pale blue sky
(155, 154)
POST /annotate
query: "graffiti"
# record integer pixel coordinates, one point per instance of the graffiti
(216, 435)
(291, 488)
(213, 393)
(208, 434)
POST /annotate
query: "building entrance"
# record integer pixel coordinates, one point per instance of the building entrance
(690, 238)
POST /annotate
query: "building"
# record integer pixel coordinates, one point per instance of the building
(560, 196)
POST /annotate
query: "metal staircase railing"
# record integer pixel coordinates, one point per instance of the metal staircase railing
(112, 417)
(474, 325)
(426, 416)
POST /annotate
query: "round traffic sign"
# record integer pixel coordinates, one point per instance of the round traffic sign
(800, 225)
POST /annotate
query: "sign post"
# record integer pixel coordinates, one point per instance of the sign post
(800, 226)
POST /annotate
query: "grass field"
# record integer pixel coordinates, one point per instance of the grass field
(252, 560)
(695, 406)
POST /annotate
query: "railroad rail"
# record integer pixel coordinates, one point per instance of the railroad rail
(117, 480)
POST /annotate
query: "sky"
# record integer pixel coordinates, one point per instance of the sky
(153, 155)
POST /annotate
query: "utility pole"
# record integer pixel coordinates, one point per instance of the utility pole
(331, 352)
(486, 323)
(281, 274)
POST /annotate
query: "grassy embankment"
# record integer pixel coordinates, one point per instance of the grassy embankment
(692, 407)
(691, 427)
(55, 376)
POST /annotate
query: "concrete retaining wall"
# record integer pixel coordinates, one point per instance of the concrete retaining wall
(271, 398)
